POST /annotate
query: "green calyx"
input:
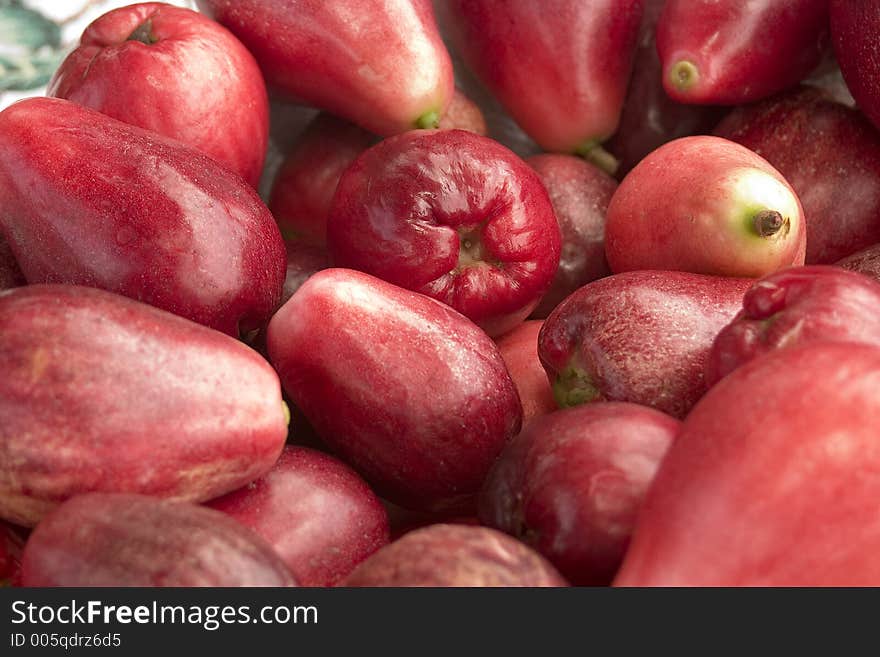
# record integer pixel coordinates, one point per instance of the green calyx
(573, 387)
(143, 33)
(428, 120)
(593, 152)
(286, 409)
(684, 75)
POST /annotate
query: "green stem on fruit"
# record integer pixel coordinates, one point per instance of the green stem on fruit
(684, 75)
(428, 120)
(593, 152)
(143, 33)
(574, 386)
(768, 223)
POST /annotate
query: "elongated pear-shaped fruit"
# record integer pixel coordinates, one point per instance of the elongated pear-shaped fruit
(102, 393)
(728, 52)
(773, 479)
(560, 68)
(708, 206)
(378, 63)
(89, 200)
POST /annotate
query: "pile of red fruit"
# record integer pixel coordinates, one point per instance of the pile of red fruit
(608, 311)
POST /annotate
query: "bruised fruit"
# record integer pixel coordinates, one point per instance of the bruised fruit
(102, 393)
(447, 555)
(317, 514)
(412, 394)
(102, 539)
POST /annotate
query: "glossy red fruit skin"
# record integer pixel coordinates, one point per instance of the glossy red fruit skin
(866, 261)
(571, 483)
(11, 546)
(102, 539)
(797, 306)
(405, 389)
(193, 81)
(830, 154)
(315, 512)
(693, 205)
(742, 52)
(89, 200)
(378, 63)
(519, 349)
(560, 68)
(772, 480)
(452, 215)
(580, 193)
(102, 393)
(650, 118)
(446, 555)
(640, 337)
(10, 273)
(303, 191)
(855, 27)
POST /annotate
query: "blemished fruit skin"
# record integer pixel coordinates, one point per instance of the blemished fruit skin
(447, 555)
(773, 479)
(176, 72)
(866, 261)
(797, 306)
(10, 273)
(103, 539)
(102, 393)
(580, 193)
(705, 205)
(560, 68)
(519, 349)
(829, 154)
(650, 118)
(378, 63)
(315, 512)
(855, 27)
(729, 52)
(406, 390)
(89, 200)
(453, 215)
(571, 483)
(641, 337)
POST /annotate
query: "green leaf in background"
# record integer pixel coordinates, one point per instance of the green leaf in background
(30, 47)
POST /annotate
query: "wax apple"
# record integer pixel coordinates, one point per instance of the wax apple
(560, 68)
(10, 273)
(798, 306)
(580, 193)
(448, 555)
(728, 52)
(708, 206)
(855, 27)
(463, 114)
(866, 261)
(772, 481)
(303, 260)
(176, 72)
(641, 337)
(102, 539)
(830, 154)
(315, 512)
(452, 215)
(93, 201)
(102, 393)
(570, 485)
(650, 118)
(378, 63)
(519, 349)
(408, 391)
